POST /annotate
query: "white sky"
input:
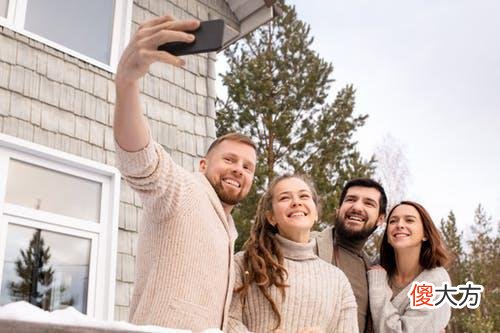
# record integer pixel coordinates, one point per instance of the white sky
(428, 74)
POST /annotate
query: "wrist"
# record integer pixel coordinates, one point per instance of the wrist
(124, 85)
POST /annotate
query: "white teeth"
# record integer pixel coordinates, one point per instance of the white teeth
(355, 218)
(232, 182)
(298, 214)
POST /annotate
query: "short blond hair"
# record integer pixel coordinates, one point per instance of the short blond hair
(233, 136)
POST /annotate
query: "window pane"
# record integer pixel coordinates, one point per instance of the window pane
(52, 191)
(3, 7)
(47, 269)
(81, 25)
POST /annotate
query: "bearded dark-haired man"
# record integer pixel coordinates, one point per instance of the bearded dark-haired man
(363, 204)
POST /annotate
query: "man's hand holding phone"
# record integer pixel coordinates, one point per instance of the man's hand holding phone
(142, 49)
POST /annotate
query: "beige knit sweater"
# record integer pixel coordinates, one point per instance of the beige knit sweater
(318, 295)
(185, 244)
(397, 316)
(353, 262)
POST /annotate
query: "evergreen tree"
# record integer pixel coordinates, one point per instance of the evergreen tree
(453, 240)
(457, 268)
(36, 274)
(483, 260)
(277, 87)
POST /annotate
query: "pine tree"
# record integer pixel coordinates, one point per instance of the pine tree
(483, 260)
(277, 89)
(453, 240)
(36, 274)
(457, 268)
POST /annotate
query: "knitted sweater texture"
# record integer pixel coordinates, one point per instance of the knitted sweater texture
(352, 261)
(397, 315)
(184, 257)
(318, 295)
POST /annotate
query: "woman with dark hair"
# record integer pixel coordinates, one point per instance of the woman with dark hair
(411, 250)
(281, 285)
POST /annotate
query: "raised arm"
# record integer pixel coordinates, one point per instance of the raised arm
(130, 127)
(144, 164)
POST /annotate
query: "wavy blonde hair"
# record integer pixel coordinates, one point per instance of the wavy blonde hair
(263, 258)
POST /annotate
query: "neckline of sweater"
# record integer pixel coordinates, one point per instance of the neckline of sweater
(296, 251)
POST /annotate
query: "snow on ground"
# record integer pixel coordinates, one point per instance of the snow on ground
(27, 312)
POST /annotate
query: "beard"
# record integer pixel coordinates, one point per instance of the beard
(357, 235)
(224, 196)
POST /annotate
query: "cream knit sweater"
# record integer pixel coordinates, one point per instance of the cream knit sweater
(397, 315)
(318, 295)
(185, 245)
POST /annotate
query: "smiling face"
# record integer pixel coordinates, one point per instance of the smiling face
(293, 209)
(230, 168)
(405, 228)
(358, 215)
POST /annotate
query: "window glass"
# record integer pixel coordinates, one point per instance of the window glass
(82, 25)
(47, 269)
(52, 191)
(3, 8)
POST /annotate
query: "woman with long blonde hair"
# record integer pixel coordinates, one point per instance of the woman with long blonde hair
(281, 285)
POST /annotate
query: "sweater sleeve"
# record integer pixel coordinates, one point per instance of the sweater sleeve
(235, 324)
(152, 173)
(386, 317)
(348, 320)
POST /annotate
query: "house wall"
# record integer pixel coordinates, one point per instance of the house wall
(56, 100)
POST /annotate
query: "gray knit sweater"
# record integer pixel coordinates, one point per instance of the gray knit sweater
(318, 295)
(397, 315)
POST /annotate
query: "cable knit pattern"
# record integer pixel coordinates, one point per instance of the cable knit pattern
(184, 253)
(318, 295)
(396, 315)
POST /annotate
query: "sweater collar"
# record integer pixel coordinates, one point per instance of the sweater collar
(227, 220)
(353, 245)
(296, 251)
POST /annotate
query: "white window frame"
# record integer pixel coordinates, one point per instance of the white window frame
(122, 22)
(103, 234)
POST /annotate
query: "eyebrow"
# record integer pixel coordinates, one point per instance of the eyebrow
(300, 191)
(371, 200)
(229, 154)
(405, 216)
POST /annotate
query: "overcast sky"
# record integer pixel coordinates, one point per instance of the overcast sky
(428, 74)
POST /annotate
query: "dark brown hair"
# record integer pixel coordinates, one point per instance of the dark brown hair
(366, 182)
(433, 252)
(237, 137)
(263, 258)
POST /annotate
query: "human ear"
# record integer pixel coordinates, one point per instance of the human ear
(203, 165)
(270, 218)
(380, 220)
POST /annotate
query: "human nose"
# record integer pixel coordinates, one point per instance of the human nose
(238, 169)
(296, 201)
(357, 206)
(399, 225)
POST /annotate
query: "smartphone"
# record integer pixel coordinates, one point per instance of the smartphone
(208, 38)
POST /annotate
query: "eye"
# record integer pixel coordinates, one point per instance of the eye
(227, 159)
(283, 198)
(305, 196)
(392, 221)
(349, 200)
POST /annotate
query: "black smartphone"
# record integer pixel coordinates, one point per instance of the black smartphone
(208, 38)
